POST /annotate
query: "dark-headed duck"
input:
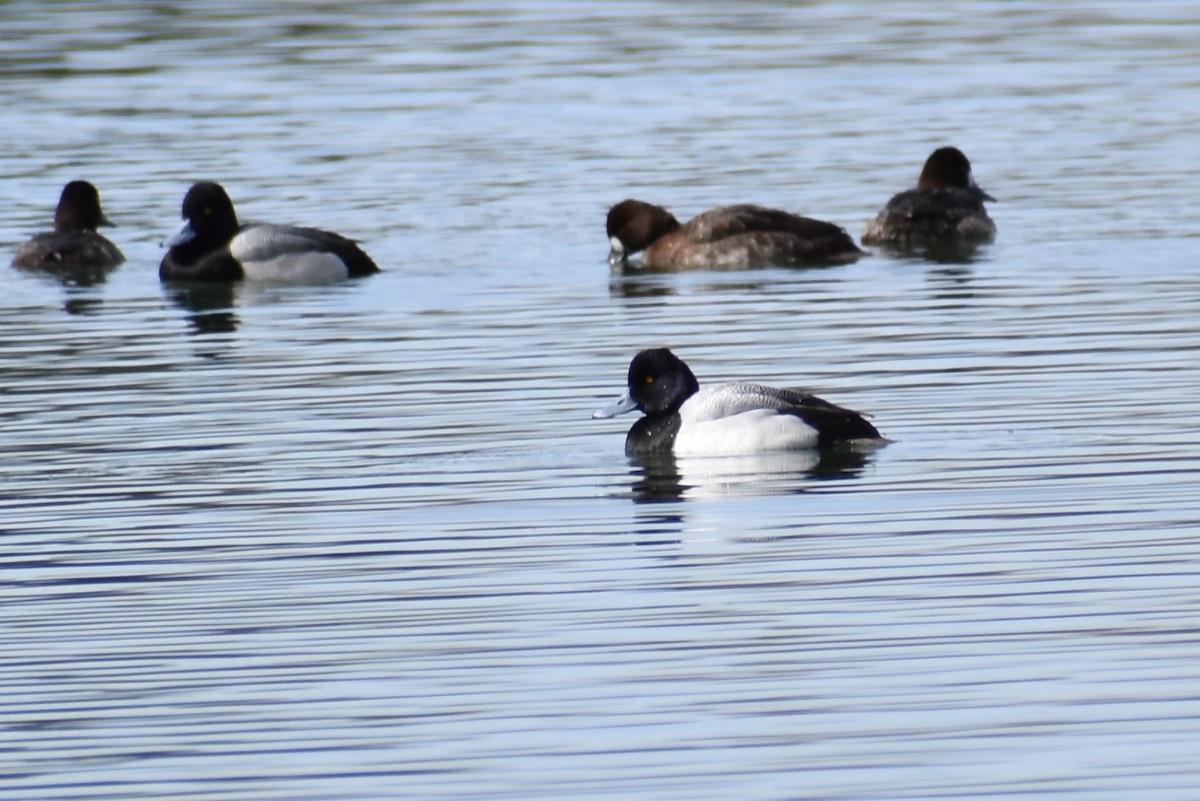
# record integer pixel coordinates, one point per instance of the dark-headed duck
(212, 246)
(726, 419)
(74, 242)
(730, 237)
(946, 208)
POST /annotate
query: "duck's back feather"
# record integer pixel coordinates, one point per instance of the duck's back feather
(922, 216)
(760, 414)
(68, 249)
(747, 235)
(305, 249)
(716, 224)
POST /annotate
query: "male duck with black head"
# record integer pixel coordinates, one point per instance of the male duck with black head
(734, 419)
(944, 210)
(74, 243)
(729, 237)
(212, 245)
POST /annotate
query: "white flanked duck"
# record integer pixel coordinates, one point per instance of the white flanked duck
(726, 419)
(212, 245)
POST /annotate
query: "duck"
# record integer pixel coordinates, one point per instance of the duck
(732, 419)
(211, 245)
(730, 237)
(74, 242)
(945, 209)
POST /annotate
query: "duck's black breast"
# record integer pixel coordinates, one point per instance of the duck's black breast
(653, 434)
(214, 265)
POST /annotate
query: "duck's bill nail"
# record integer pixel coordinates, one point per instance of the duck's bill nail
(619, 406)
(185, 234)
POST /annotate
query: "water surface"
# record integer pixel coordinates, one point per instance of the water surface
(364, 541)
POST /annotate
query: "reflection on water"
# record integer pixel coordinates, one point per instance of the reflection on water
(946, 253)
(81, 275)
(83, 306)
(363, 541)
(666, 477)
(209, 307)
(78, 285)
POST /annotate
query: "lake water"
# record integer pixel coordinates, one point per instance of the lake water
(364, 541)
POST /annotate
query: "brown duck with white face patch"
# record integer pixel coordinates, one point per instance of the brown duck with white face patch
(730, 237)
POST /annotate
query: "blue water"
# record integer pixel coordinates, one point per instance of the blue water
(365, 541)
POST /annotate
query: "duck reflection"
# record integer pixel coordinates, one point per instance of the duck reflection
(952, 283)
(947, 254)
(209, 305)
(72, 275)
(666, 477)
(83, 306)
(959, 254)
(631, 280)
(633, 288)
(78, 281)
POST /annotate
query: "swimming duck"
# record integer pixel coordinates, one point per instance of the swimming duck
(74, 242)
(728, 237)
(726, 419)
(212, 245)
(946, 208)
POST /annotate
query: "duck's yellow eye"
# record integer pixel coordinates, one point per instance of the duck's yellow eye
(649, 379)
(208, 211)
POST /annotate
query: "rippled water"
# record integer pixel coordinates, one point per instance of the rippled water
(364, 541)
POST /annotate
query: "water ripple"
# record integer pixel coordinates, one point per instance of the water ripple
(365, 541)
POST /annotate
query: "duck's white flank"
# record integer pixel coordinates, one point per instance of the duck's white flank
(282, 254)
(736, 419)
